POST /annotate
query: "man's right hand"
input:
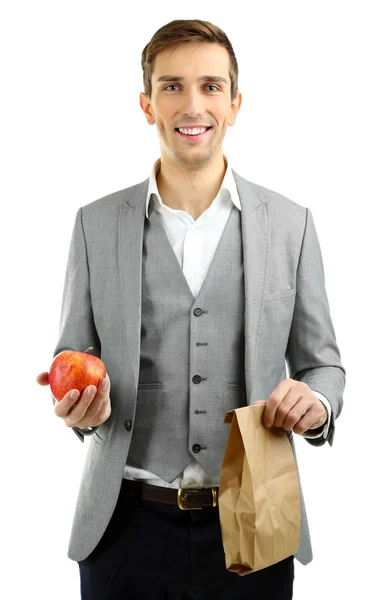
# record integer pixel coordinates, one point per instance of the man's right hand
(86, 411)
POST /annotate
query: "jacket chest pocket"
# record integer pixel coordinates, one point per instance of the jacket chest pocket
(277, 312)
(279, 294)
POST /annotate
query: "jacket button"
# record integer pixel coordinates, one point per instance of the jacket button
(197, 312)
(196, 379)
(196, 448)
(128, 425)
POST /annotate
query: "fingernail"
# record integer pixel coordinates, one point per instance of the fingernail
(104, 384)
(90, 390)
(74, 394)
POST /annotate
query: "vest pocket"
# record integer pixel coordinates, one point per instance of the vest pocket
(155, 385)
(235, 386)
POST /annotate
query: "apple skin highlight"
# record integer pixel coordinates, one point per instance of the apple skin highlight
(74, 370)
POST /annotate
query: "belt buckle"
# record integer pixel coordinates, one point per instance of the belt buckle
(180, 499)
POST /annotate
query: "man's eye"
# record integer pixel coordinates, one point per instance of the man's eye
(175, 85)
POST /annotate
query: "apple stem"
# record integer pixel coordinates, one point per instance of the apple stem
(90, 348)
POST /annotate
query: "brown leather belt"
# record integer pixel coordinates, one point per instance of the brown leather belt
(184, 498)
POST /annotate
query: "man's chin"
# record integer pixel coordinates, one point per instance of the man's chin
(193, 156)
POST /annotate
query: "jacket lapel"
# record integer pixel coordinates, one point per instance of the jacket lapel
(130, 248)
(255, 236)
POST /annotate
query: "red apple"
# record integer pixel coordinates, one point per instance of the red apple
(74, 370)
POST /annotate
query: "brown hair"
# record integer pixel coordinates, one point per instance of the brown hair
(182, 31)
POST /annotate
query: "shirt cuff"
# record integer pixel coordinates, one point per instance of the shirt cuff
(87, 431)
(310, 433)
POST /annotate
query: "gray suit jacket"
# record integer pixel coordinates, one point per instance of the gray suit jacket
(101, 308)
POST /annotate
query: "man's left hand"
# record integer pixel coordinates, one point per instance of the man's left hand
(293, 405)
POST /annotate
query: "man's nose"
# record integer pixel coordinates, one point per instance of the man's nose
(193, 103)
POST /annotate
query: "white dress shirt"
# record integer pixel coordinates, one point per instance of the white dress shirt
(194, 244)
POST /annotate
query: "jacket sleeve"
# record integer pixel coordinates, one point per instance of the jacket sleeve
(77, 328)
(312, 352)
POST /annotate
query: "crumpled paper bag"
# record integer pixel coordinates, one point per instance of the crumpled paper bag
(259, 493)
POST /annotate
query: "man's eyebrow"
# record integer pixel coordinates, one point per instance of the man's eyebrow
(216, 78)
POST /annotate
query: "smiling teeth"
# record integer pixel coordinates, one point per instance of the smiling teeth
(194, 131)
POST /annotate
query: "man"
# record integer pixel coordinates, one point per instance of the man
(194, 287)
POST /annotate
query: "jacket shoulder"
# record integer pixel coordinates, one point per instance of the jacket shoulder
(111, 202)
(286, 217)
(277, 201)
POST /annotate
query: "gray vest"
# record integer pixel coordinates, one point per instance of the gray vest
(191, 355)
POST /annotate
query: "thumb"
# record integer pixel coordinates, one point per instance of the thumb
(42, 378)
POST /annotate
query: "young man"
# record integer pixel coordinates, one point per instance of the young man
(193, 286)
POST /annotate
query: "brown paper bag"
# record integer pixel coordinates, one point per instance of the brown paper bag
(259, 493)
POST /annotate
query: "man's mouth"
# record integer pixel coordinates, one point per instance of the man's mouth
(193, 134)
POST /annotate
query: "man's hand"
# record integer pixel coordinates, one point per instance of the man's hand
(86, 411)
(293, 405)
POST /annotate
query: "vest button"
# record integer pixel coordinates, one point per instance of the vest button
(197, 312)
(196, 448)
(196, 379)
(128, 425)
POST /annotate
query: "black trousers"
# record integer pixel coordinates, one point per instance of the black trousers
(154, 551)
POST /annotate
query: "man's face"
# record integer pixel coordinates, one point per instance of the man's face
(191, 102)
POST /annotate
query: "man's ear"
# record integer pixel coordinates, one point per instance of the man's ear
(145, 103)
(235, 107)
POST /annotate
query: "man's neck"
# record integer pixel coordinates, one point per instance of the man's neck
(191, 191)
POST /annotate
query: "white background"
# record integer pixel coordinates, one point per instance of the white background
(72, 131)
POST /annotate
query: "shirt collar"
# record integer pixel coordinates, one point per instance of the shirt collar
(228, 184)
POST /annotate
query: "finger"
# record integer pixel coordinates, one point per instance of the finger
(273, 401)
(296, 415)
(104, 385)
(259, 402)
(78, 408)
(102, 415)
(42, 378)
(304, 423)
(94, 409)
(88, 405)
(64, 405)
(98, 400)
(291, 407)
